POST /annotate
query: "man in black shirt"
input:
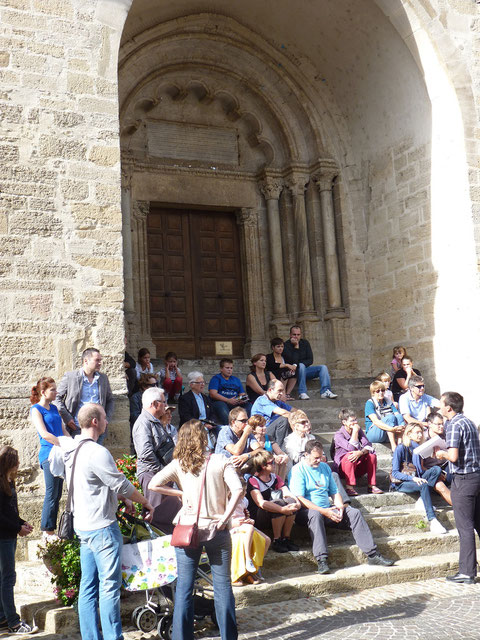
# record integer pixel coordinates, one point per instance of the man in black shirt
(298, 351)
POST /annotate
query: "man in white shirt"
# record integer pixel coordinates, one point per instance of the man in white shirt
(415, 404)
(97, 487)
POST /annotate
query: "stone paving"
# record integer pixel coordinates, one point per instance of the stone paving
(414, 610)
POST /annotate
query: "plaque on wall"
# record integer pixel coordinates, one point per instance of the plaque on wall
(223, 348)
(194, 142)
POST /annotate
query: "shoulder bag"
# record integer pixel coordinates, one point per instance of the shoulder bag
(65, 526)
(185, 536)
(408, 468)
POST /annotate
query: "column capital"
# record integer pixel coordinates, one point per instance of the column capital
(271, 188)
(247, 217)
(324, 178)
(297, 184)
(140, 209)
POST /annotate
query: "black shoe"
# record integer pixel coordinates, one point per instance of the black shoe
(323, 567)
(279, 546)
(291, 546)
(460, 578)
(3, 624)
(380, 560)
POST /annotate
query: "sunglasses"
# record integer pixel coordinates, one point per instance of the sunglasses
(244, 420)
(420, 386)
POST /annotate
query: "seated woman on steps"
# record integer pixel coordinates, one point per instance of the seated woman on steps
(270, 502)
(382, 419)
(408, 476)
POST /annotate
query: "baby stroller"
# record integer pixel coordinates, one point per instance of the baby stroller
(149, 565)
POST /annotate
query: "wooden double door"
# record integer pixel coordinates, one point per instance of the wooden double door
(195, 282)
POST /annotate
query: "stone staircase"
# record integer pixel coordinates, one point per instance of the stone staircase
(400, 532)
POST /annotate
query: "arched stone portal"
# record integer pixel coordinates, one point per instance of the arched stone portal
(211, 120)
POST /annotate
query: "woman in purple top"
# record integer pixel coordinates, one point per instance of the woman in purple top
(49, 426)
(354, 454)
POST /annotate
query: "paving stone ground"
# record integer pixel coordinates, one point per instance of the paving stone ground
(415, 610)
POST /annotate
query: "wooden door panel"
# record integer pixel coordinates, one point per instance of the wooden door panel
(170, 280)
(195, 281)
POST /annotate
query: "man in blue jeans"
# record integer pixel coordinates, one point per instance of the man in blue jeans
(298, 351)
(97, 486)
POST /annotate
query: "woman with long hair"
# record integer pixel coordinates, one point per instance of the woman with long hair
(258, 378)
(11, 526)
(48, 423)
(190, 459)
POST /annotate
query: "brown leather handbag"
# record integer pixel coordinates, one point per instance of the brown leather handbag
(185, 536)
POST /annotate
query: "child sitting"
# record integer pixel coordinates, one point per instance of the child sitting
(249, 546)
(398, 354)
(171, 377)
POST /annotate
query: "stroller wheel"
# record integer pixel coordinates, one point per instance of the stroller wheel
(135, 613)
(146, 620)
(165, 626)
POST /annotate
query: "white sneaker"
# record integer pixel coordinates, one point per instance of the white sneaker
(419, 506)
(437, 527)
(249, 566)
(303, 396)
(329, 394)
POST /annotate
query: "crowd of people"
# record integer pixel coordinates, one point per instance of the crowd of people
(262, 469)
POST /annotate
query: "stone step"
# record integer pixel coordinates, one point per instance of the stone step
(353, 578)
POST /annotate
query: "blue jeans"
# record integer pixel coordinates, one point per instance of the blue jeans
(375, 434)
(309, 373)
(409, 486)
(100, 559)
(222, 409)
(219, 551)
(7, 582)
(53, 493)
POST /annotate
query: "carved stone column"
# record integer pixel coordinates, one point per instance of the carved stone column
(271, 190)
(324, 183)
(297, 184)
(247, 219)
(141, 290)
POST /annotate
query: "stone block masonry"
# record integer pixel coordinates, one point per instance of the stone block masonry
(60, 223)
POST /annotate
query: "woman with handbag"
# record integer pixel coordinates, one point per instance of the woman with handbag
(408, 476)
(205, 482)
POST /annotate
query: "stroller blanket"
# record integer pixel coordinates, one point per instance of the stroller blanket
(148, 564)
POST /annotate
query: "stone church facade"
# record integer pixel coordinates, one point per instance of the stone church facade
(187, 174)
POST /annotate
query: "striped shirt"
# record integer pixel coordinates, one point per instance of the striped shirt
(462, 434)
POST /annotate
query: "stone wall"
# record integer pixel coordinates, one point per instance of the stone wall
(61, 267)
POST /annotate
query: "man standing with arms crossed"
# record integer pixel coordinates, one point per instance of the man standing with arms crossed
(463, 455)
(97, 487)
(84, 385)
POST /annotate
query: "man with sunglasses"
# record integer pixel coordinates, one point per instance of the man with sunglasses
(415, 404)
(235, 439)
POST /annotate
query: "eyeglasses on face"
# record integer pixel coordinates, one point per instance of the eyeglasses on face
(244, 420)
(420, 386)
(198, 382)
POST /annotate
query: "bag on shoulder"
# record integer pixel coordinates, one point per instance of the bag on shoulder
(65, 526)
(185, 535)
(409, 469)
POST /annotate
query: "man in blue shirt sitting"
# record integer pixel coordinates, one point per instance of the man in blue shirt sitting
(312, 482)
(235, 440)
(226, 392)
(275, 412)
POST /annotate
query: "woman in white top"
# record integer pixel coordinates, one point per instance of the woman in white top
(186, 470)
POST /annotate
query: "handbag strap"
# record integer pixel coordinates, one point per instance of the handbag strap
(70, 488)
(204, 475)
